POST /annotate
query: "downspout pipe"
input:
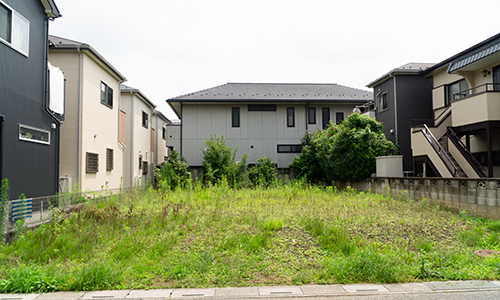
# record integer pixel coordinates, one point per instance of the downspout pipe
(395, 109)
(132, 149)
(79, 130)
(46, 107)
(2, 119)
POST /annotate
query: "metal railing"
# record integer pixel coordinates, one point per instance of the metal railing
(450, 165)
(478, 168)
(480, 89)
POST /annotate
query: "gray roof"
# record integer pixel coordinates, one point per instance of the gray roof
(278, 92)
(128, 89)
(161, 116)
(466, 59)
(474, 53)
(407, 69)
(59, 43)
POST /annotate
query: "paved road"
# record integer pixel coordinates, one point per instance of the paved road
(450, 290)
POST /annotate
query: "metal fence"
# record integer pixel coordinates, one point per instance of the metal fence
(34, 212)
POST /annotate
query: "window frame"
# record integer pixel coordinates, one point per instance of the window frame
(290, 117)
(164, 132)
(449, 95)
(88, 167)
(380, 98)
(145, 119)
(325, 121)
(109, 159)
(33, 140)
(311, 115)
(261, 107)
(235, 122)
(13, 18)
(341, 113)
(106, 95)
(294, 148)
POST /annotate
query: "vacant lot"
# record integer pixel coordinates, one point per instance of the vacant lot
(292, 234)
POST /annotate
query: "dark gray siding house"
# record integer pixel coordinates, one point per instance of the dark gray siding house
(402, 99)
(28, 130)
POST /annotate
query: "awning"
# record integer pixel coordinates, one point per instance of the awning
(469, 58)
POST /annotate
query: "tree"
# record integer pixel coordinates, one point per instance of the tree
(219, 163)
(173, 173)
(263, 173)
(344, 152)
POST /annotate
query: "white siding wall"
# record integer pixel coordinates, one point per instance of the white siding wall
(259, 134)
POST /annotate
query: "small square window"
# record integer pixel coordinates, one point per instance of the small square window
(145, 117)
(339, 117)
(92, 162)
(144, 168)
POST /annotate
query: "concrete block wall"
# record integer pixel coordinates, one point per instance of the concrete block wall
(480, 196)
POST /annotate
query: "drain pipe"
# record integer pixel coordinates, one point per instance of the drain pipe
(79, 130)
(395, 110)
(2, 118)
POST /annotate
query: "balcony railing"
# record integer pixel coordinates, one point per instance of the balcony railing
(483, 88)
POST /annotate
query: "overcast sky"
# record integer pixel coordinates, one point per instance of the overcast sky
(168, 48)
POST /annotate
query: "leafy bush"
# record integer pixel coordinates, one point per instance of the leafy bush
(343, 152)
(263, 173)
(219, 163)
(173, 173)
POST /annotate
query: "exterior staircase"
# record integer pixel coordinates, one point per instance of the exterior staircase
(443, 141)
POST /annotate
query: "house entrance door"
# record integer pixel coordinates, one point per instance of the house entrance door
(496, 78)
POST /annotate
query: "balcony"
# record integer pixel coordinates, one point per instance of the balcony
(475, 105)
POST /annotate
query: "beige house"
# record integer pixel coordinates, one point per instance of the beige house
(139, 158)
(465, 138)
(91, 151)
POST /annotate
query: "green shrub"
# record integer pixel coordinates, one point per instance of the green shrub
(263, 173)
(343, 152)
(29, 279)
(173, 173)
(219, 163)
(98, 275)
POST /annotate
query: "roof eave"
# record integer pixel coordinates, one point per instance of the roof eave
(51, 9)
(139, 94)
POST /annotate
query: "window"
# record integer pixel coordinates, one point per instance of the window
(290, 148)
(106, 95)
(140, 161)
(32, 134)
(92, 162)
(382, 101)
(164, 133)
(109, 159)
(339, 117)
(14, 29)
(235, 117)
(290, 117)
(261, 107)
(311, 115)
(455, 91)
(144, 168)
(326, 116)
(145, 119)
(153, 139)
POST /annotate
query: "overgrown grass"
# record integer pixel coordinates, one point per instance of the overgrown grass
(218, 236)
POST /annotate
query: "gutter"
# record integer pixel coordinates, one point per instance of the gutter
(46, 107)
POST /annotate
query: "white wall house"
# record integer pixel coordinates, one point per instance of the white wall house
(91, 154)
(259, 119)
(159, 147)
(140, 137)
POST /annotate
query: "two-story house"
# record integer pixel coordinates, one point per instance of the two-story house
(29, 129)
(92, 142)
(403, 99)
(464, 140)
(159, 142)
(259, 119)
(139, 159)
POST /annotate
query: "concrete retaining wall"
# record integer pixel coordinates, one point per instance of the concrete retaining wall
(477, 196)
